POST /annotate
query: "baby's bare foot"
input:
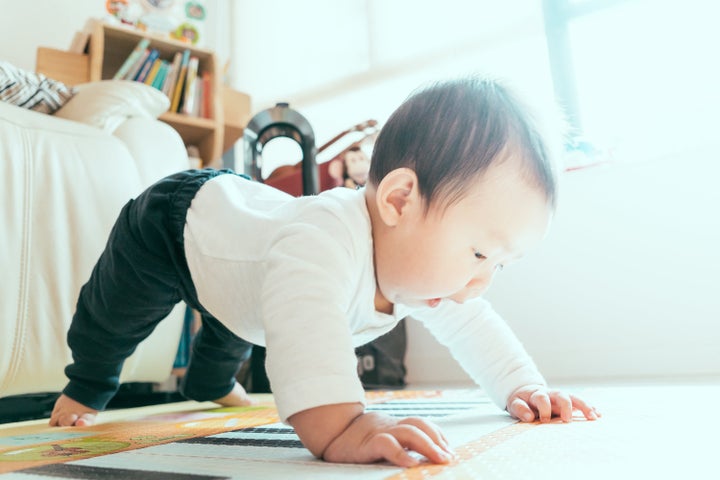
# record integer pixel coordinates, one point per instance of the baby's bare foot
(69, 413)
(238, 397)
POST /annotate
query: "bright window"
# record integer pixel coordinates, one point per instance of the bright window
(645, 73)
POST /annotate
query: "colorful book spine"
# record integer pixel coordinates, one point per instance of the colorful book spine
(138, 64)
(150, 78)
(180, 82)
(188, 104)
(161, 75)
(206, 111)
(171, 77)
(198, 98)
(132, 58)
(145, 69)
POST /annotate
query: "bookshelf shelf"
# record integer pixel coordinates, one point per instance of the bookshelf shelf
(108, 48)
(181, 118)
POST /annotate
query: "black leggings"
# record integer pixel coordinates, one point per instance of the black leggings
(140, 276)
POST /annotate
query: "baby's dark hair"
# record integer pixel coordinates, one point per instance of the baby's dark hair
(451, 132)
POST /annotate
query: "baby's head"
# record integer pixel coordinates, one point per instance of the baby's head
(450, 134)
(461, 183)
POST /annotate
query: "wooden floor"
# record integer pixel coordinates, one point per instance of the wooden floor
(653, 430)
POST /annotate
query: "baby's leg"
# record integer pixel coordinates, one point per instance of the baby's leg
(131, 289)
(140, 276)
(216, 357)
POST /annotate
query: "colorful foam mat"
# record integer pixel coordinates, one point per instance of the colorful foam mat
(200, 443)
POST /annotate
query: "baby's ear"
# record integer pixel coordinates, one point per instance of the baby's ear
(396, 195)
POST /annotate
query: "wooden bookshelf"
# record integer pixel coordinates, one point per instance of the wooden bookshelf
(107, 49)
(236, 115)
(67, 67)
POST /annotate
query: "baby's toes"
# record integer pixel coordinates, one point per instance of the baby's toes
(64, 420)
(85, 420)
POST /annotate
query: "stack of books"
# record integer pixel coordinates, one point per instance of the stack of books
(180, 79)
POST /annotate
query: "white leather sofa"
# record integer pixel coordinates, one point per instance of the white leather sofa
(63, 183)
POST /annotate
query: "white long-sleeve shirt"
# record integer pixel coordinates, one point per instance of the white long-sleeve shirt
(296, 275)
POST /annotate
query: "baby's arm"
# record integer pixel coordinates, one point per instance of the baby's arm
(67, 413)
(491, 353)
(343, 433)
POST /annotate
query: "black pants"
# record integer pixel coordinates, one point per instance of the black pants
(140, 276)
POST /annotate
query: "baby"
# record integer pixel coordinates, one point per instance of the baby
(460, 185)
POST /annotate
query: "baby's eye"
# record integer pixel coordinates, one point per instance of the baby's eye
(480, 256)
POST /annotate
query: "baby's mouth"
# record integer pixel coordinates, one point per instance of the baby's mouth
(433, 302)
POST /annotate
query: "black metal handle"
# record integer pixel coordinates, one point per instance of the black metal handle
(281, 121)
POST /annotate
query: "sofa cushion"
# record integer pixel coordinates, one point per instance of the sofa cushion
(30, 90)
(107, 104)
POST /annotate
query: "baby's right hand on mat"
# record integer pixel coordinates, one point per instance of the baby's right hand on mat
(373, 437)
(69, 413)
(344, 433)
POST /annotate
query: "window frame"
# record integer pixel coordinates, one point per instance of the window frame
(557, 15)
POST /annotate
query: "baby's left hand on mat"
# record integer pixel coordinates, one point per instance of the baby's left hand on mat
(539, 402)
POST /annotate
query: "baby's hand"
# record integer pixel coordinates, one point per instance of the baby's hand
(343, 433)
(68, 413)
(372, 437)
(537, 401)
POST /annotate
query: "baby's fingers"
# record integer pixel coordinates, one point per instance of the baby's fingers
(407, 437)
(587, 410)
(541, 402)
(385, 446)
(431, 430)
(519, 409)
(562, 405)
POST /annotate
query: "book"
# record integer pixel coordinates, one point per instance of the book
(132, 58)
(160, 77)
(206, 110)
(171, 77)
(188, 103)
(180, 82)
(153, 72)
(138, 64)
(145, 69)
(198, 98)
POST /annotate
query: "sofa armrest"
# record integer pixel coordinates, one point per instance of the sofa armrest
(156, 148)
(62, 185)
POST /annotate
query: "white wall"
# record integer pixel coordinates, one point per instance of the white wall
(47, 23)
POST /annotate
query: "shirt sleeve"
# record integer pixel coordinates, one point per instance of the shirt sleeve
(484, 345)
(305, 296)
